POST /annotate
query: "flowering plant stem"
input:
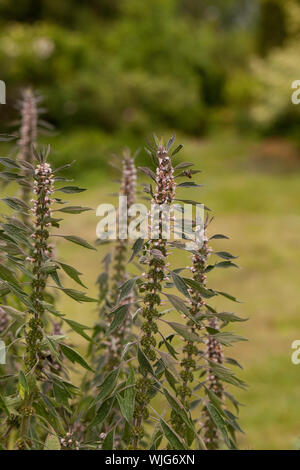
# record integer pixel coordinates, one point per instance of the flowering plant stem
(151, 288)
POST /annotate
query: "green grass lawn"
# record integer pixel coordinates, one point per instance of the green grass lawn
(258, 209)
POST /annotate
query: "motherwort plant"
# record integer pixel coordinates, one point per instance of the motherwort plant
(38, 410)
(203, 357)
(155, 254)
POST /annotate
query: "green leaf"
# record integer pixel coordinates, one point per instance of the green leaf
(16, 204)
(226, 264)
(126, 403)
(3, 405)
(7, 275)
(108, 443)
(180, 284)
(137, 246)
(229, 317)
(17, 234)
(225, 255)
(219, 422)
(79, 328)
(206, 293)
(228, 296)
(71, 189)
(108, 384)
(144, 364)
(182, 165)
(52, 442)
(171, 436)
(127, 287)
(170, 142)
(189, 184)
(218, 236)
(147, 172)
(119, 315)
(178, 148)
(74, 356)
(102, 412)
(225, 374)
(178, 408)
(77, 295)
(74, 209)
(78, 240)
(72, 273)
(178, 304)
(227, 338)
(8, 162)
(185, 332)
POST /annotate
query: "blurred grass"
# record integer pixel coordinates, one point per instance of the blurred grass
(258, 210)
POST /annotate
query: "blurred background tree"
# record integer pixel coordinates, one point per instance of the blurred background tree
(126, 68)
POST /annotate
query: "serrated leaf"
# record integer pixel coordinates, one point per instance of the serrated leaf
(78, 240)
(16, 204)
(77, 295)
(144, 364)
(137, 246)
(71, 189)
(171, 436)
(226, 264)
(108, 384)
(178, 408)
(108, 443)
(228, 296)
(185, 332)
(74, 209)
(178, 303)
(229, 317)
(7, 275)
(119, 315)
(72, 273)
(8, 162)
(219, 422)
(102, 412)
(206, 293)
(218, 236)
(180, 284)
(182, 165)
(189, 184)
(170, 142)
(147, 172)
(126, 402)
(226, 338)
(74, 356)
(225, 255)
(126, 288)
(79, 328)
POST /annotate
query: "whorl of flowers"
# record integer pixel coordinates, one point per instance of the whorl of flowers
(151, 287)
(43, 189)
(28, 133)
(213, 353)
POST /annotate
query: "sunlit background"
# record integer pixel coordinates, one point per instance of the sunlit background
(219, 74)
